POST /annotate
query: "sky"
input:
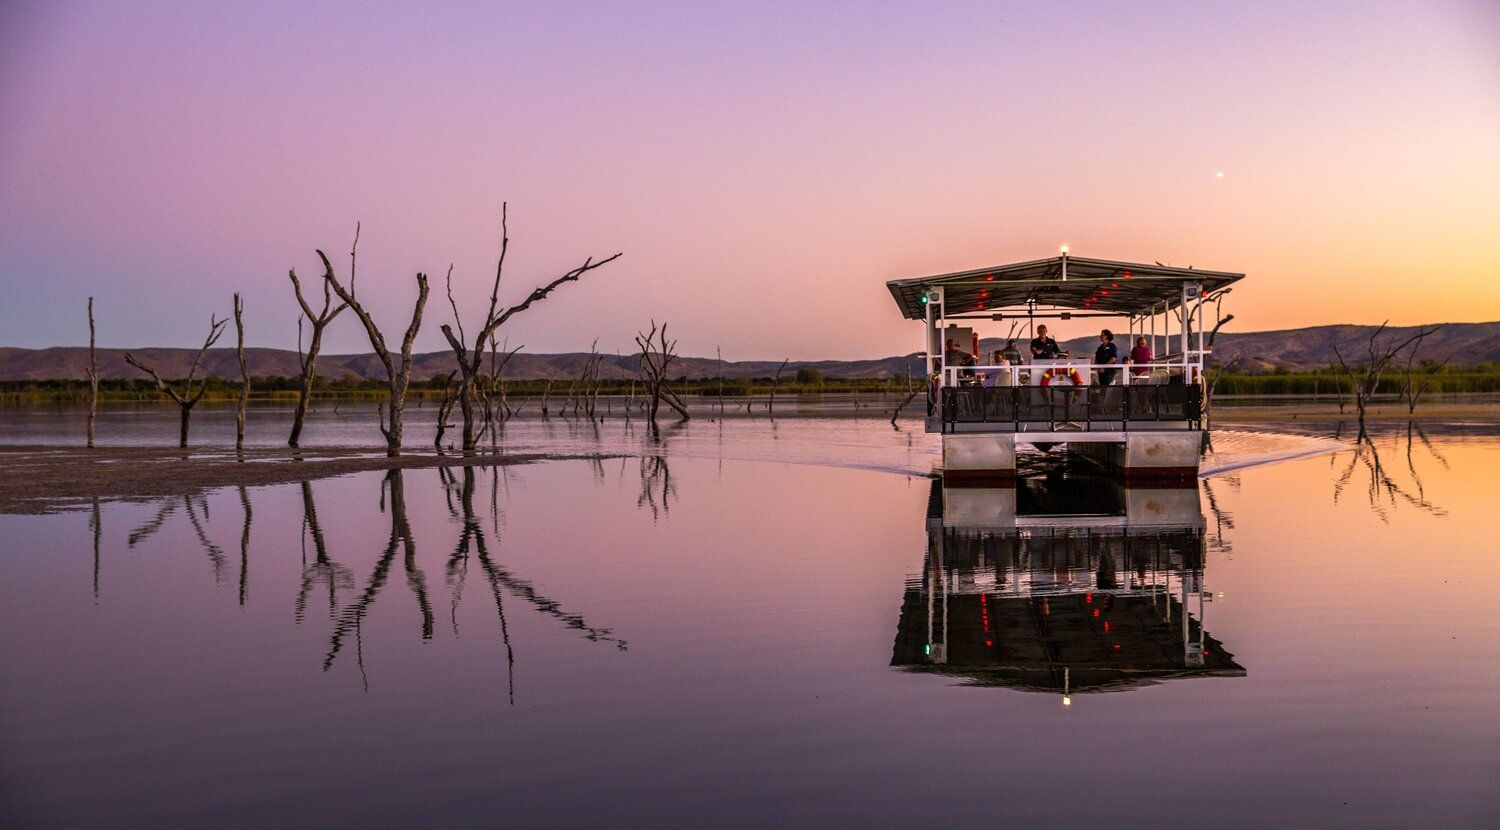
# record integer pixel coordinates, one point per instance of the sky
(764, 167)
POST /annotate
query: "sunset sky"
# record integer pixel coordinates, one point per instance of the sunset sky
(764, 168)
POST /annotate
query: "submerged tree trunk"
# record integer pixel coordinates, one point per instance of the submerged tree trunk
(187, 398)
(239, 408)
(93, 377)
(319, 321)
(398, 377)
(470, 359)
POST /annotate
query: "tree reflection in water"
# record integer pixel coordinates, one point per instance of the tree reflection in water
(400, 537)
(657, 489)
(196, 508)
(323, 568)
(1384, 487)
(321, 573)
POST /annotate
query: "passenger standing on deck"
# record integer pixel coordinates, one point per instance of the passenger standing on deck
(1044, 347)
(1012, 354)
(1140, 357)
(1105, 355)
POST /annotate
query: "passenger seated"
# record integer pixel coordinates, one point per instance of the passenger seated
(1002, 377)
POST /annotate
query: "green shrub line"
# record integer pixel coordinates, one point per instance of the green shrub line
(1230, 382)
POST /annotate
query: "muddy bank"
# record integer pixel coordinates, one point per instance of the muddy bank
(52, 479)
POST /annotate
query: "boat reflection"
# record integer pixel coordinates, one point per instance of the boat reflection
(1062, 584)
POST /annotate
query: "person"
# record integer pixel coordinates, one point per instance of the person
(954, 356)
(1044, 347)
(1011, 353)
(1140, 357)
(1001, 377)
(1105, 355)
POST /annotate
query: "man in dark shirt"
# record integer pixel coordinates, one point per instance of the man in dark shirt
(1106, 354)
(1044, 347)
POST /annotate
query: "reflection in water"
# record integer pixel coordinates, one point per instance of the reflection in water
(474, 539)
(1384, 487)
(473, 536)
(657, 489)
(400, 536)
(323, 570)
(1032, 589)
(325, 573)
(196, 508)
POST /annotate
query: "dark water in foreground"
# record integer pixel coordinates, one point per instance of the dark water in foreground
(691, 640)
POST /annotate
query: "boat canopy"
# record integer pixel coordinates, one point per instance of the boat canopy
(1091, 285)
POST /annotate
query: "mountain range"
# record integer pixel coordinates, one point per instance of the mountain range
(1295, 349)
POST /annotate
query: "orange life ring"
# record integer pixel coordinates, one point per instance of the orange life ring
(1069, 374)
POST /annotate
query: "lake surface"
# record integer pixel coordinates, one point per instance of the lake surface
(756, 624)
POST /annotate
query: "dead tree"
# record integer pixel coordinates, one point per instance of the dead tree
(239, 350)
(1417, 377)
(1220, 321)
(1365, 378)
(911, 395)
(719, 353)
(775, 382)
(398, 377)
(1338, 388)
(445, 408)
(490, 388)
(319, 321)
(657, 354)
(469, 359)
(187, 398)
(93, 377)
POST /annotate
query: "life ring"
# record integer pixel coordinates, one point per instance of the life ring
(1068, 374)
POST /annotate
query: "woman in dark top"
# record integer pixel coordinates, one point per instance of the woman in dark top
(1107, 354)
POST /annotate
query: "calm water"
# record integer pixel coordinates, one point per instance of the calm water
(712, 635)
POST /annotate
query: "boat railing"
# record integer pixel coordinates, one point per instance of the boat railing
(1029, 408)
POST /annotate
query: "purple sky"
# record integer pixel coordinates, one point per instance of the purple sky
(764, 168)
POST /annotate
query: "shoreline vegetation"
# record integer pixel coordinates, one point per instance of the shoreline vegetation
(1228, 384)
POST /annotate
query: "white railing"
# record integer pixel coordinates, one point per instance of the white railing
(1081, 372)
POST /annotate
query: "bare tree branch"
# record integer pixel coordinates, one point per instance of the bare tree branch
(187, 398)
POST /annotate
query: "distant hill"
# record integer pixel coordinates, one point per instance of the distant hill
(1308, 348)
(1312, 348)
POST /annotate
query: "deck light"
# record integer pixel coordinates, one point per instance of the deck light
(1063, 249)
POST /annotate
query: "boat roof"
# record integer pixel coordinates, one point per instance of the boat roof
(1092, 285)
